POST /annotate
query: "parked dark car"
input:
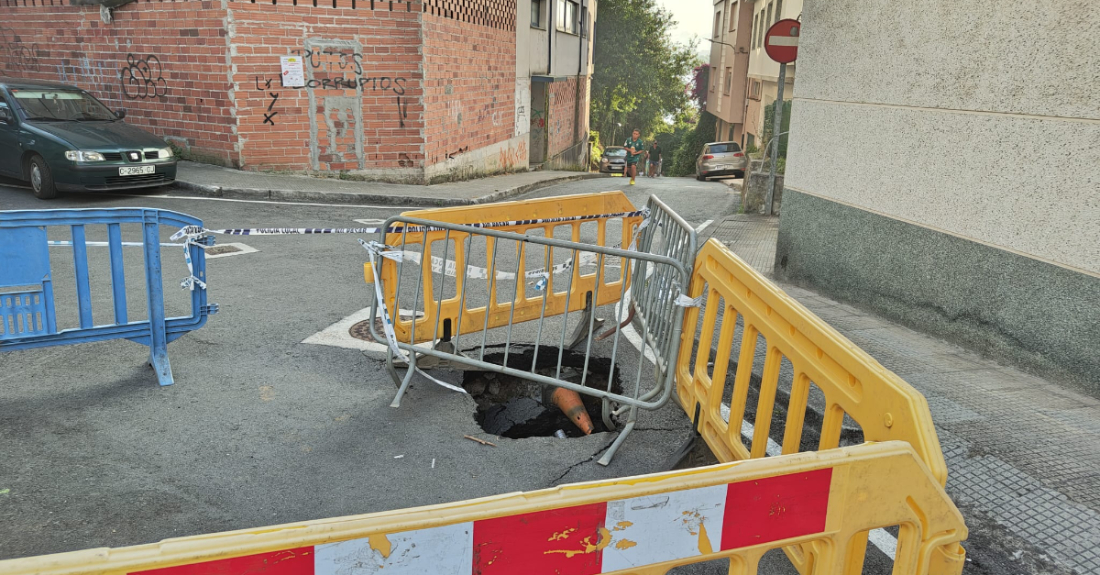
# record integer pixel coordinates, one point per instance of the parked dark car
(721, 159)
(613, 160)
(60, 137)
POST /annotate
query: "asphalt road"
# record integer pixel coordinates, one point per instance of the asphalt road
(259, 428)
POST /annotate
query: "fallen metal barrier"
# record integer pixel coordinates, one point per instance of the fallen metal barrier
(852, 384)
(823, 502)
(475, 304)
(28, 318)
(666, 234)
(544, 217)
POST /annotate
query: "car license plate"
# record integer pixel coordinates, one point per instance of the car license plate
(136, 170)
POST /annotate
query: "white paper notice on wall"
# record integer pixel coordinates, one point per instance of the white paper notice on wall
(293, 75)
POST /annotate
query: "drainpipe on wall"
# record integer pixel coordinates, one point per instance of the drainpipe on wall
(550, 39)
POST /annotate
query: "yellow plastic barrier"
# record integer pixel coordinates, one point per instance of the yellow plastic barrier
(824, 502)
(544, 215)
(885, 407)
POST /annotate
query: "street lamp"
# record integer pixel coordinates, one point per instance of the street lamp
(735, 48)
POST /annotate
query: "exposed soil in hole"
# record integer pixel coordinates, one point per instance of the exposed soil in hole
(514, 407)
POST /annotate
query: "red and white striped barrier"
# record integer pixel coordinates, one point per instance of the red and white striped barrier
(579, 540)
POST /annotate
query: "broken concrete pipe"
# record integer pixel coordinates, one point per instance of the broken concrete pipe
(569, 402)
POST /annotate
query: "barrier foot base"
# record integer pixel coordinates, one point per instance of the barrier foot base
(162, 368)
(693, 441)
(606, 459)
(405, 383)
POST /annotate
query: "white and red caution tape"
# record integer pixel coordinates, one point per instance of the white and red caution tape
(580, 540)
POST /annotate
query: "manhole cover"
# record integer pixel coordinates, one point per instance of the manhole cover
(222, 250)
(361, 330)
(514, 407)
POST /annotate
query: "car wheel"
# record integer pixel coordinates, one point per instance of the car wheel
(41, 179)
(700, 177)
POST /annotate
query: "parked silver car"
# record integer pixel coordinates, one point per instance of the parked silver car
(721, 159)
(613, 160)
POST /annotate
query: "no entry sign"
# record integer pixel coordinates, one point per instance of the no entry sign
(781, 41)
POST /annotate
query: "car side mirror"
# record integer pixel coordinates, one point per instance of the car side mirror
(121, 113)
(6, 116)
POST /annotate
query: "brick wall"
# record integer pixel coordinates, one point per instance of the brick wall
(361, 108)
(392, 87)
(163, 61)
(562, 116)
(469, 88)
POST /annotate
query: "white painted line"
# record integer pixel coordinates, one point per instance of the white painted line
(200, 198)
(703, 226)
(241, 250)
(370, 221)
(881, 538)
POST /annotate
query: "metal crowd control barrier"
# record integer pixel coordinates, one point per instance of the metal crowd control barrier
(544, 216)
(823, 502)
(852, 383)
(646, 387)
(28, 317)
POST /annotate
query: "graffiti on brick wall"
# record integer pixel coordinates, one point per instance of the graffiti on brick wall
(348, 66)
(458, 152)
(538, 134)
(269, 115)
(142, 77)
(511, 158)
(98, 76)
(402, 110)
(523, 101)
(17, 56)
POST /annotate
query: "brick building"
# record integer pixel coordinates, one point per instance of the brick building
(414, 91)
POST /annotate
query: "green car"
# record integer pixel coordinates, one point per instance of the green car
(60, 137)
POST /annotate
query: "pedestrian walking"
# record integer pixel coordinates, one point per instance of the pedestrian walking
(654, 160)
(635, 147)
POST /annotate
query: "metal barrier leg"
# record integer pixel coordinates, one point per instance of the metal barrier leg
(405, 382)
(581, 333)
(158, 339)
(606, 459)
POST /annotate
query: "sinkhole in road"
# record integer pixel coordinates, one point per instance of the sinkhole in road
(514, 407)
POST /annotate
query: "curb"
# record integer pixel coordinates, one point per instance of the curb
(342, 198)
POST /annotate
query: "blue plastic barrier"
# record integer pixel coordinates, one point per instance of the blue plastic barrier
(27, 314)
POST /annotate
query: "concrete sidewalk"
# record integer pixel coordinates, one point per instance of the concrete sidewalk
(1023, 453)
(216, 181)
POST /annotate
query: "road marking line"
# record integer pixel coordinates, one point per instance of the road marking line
(703, 226)
(166, 197)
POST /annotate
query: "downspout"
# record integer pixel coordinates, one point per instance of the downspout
(550, 38)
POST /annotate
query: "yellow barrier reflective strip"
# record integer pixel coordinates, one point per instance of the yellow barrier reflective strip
(853, 383)
(824, 501)
(527, 308)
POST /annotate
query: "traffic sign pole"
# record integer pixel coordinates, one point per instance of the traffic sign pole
(777, 124)
(781, 44)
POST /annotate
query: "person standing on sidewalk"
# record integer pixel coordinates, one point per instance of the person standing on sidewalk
(654, 159)
(634, 150)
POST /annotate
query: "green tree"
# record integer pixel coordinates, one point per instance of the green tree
(683, 161)
(785, 126)
(639, 73)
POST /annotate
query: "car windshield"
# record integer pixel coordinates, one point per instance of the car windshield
(61, 105)
(723, 148)
(615, 153)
